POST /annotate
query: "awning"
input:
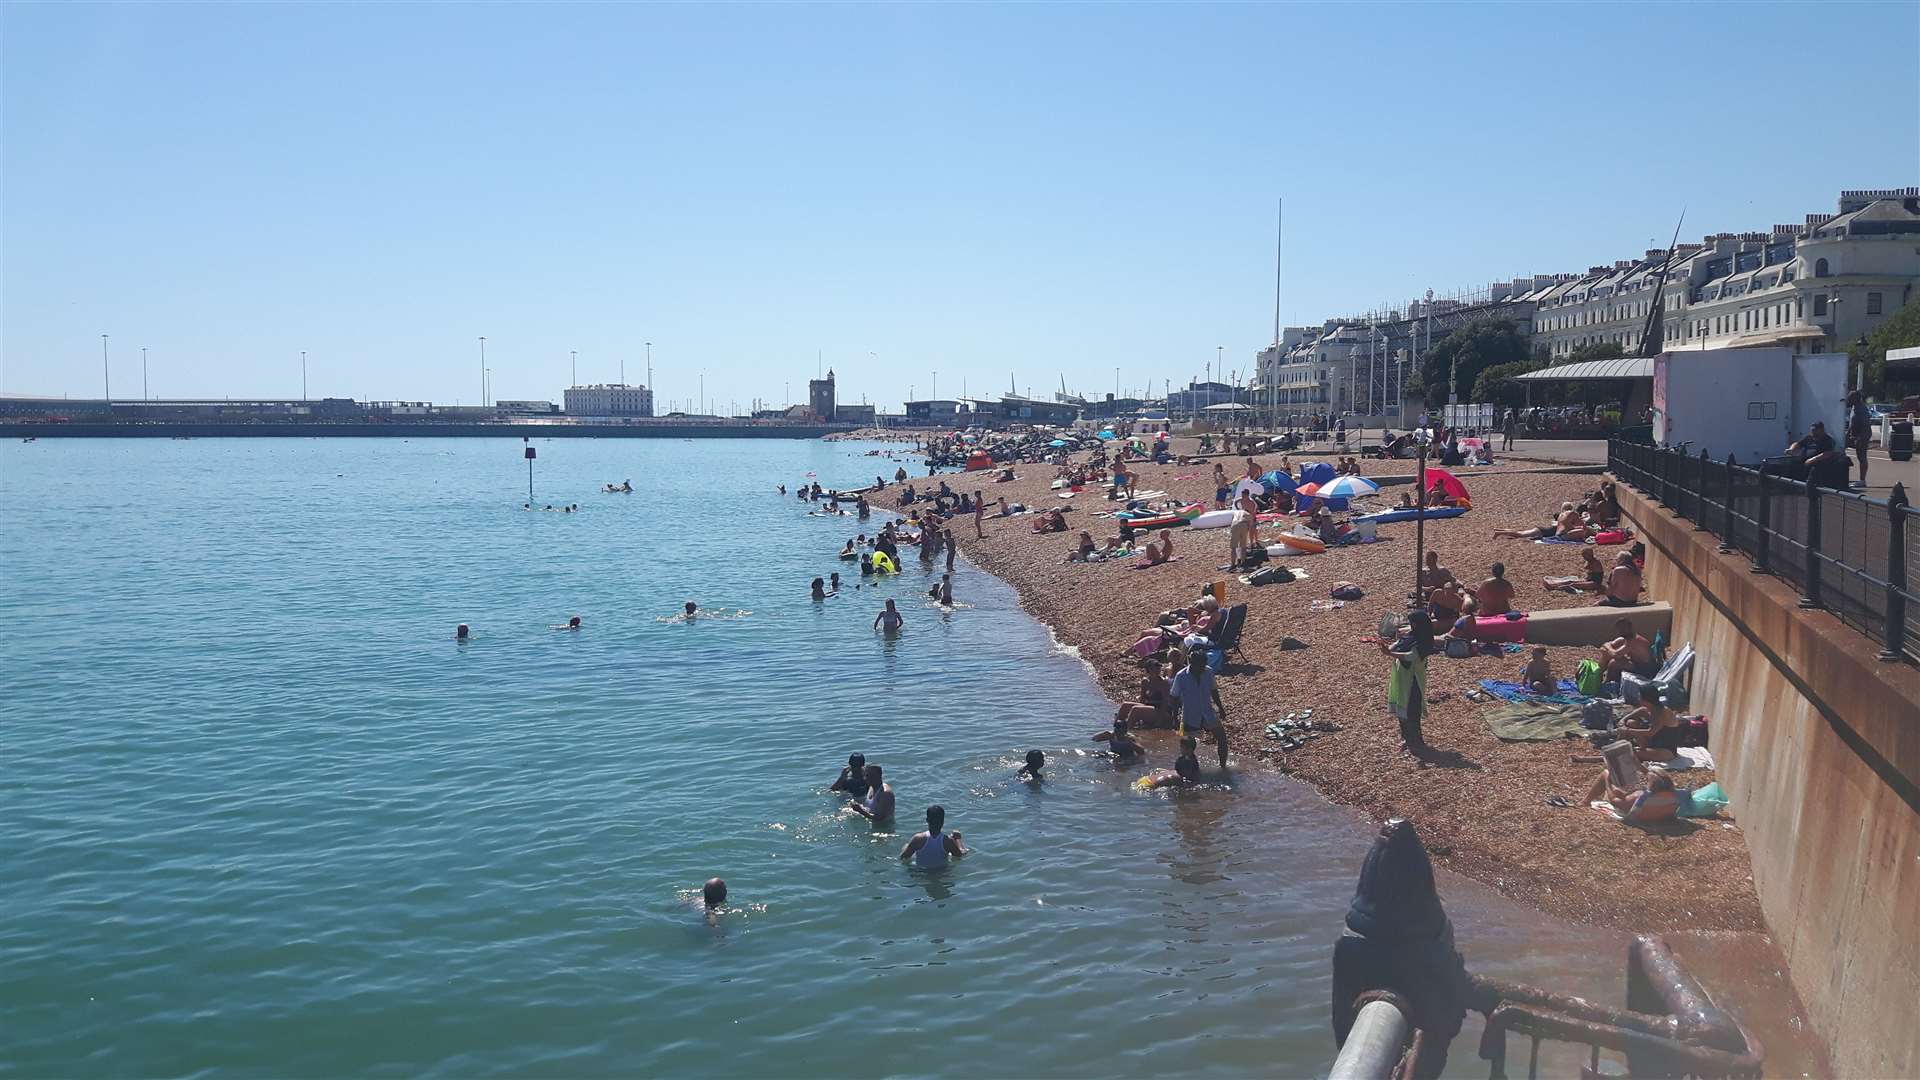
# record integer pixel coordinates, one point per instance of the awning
(1619, 367)
(1227, 407)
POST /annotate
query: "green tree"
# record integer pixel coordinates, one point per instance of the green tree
(1467, 352)
(1496, 384)
(1601, 350)
(1901, 331)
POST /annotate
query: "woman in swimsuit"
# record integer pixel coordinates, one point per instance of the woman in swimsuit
(1151, 710)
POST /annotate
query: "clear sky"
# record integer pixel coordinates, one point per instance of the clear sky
(981, 191)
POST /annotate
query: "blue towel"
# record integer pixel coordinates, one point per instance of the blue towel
(1512, 691)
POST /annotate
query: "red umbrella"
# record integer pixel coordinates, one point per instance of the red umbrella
(1308, 489)
(1447, 482)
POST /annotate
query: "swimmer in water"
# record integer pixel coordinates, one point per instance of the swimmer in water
(833, 583)
(461, 633)
(1186, 767)
(1125, 748)
(571, 624)
(877, 806)
(819, 588)
(713, 893)
(853, 777)
(1031, 770)
(932, 849)
(889, 618)
(691, 608)
(943, 592)
(847, 552)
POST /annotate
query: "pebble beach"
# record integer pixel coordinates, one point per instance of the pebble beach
(1487, 810)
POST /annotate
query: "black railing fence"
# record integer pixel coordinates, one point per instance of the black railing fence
(1854, 556)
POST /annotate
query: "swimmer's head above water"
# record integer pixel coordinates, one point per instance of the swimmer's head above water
(461, 632)
(714, 893)
(692, 607)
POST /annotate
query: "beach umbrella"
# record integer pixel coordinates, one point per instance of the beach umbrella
(1058, 442)
(1346, 487)
(1106, 435)
(1447, 482)
(1307, 489)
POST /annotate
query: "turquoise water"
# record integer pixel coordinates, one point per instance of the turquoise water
(265, 817)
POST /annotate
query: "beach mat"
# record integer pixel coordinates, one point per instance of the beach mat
(1532, 721)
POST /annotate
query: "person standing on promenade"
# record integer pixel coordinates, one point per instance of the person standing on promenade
(1196, 702)
(1859, 432)
(1407, 686)
(1507, 427)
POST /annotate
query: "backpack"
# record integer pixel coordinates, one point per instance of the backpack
(1587, 677)
(1347, 590)
(1271, 575)
(1255, 556)
(1596, 716)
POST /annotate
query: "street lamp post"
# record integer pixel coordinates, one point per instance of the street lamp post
(649, 365)
(483, 371)
(575, 354)
(303, 370)
(106, 375)
(144, 395)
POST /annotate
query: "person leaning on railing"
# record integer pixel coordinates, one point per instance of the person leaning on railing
(1824, 463)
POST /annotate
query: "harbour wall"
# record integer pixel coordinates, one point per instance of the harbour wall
(1818, 745)
(436, 430)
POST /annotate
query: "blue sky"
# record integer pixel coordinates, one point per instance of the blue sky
(981, 191)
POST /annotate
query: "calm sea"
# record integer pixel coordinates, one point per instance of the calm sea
(263, 816)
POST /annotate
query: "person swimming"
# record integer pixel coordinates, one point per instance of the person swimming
(933, 849)
(691, 608)
(819, 588)
(571, 624)
(877, 806)
(853, 777)
(833, 583)
(713, 893)
(1126, 750)
(889, 619)
(462, 633)
(1031, 770)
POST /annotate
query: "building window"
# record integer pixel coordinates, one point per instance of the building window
(1873, 303)
(1819, 305)
(1820, 268)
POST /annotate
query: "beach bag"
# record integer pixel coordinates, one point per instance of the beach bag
(1596, 716)
(1255, 556)
(1704, 802)
(1271, 575)
(1587, 677)
(1612, 536)
(1459, 648)
(1693, 731)
(1347, 590)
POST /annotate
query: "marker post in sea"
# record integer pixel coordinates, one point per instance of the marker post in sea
(529, 445)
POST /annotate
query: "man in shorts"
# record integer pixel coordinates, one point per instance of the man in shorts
(1196, 701)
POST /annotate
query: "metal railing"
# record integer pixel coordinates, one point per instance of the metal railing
(1854, 556)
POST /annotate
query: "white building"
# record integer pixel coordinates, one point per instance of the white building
(1815, 287)
(609, 399)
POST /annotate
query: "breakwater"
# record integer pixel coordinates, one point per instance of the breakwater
(421, 430)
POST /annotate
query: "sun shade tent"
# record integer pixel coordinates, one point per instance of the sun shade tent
(1277, 481)
(1449, 483)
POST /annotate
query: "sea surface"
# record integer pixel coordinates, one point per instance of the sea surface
(264, 816)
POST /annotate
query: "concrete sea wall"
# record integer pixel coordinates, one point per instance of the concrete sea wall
(1818, 745)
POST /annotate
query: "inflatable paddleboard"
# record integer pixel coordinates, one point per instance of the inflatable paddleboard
(1214, 519)
(1408, 513)
(1164, 521)
(1309, 544)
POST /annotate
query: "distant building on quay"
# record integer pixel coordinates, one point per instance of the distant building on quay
(609, 399)
(822, 399)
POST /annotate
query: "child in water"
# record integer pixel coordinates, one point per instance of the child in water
(1120, 742)
(1031, 770)
(1186, 768)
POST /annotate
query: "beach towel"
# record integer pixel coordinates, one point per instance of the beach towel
(1561, 540)
(1507, 690)
(1532, 721)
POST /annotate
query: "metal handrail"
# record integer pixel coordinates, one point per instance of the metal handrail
(1664, 474)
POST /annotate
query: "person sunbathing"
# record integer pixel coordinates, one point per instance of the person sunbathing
(1084, 550)
(1623, 583)
(1434, 575)
(1151, 710)
(1446, 602)
(1593, 576)
(1494, 595)
(1628, 652)
(1655, 731)
(1538, 676)
(1196, 622)
(1655, 801)
(1568, 526)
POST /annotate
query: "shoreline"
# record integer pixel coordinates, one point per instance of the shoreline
(1487, 818)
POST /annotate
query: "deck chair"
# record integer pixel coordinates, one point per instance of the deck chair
(1228, 640)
